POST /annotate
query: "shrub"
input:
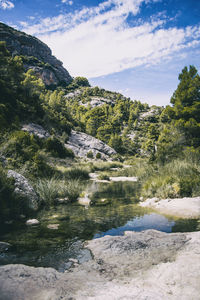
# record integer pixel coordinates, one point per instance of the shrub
(90, 154)
(98, 155)
(40, 168)
(57, 149)
(21, 146)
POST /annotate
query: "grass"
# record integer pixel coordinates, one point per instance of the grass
(103, 176)
(81, 173)
(105, 166)
(77, 173)
(179, 178)
(139, 168)
(50, 189)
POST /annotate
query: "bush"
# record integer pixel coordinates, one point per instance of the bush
(57, 149)
(98, 155)
(40, 168)
(21, 146)
(90, 154)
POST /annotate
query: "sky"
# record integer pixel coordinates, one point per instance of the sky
(135, 47)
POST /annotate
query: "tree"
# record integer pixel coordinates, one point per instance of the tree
(185, 112)
(188, 90)
(116, 143)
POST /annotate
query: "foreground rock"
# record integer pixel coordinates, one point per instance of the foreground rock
(139, 265)
(82, 143)
(181, 207)
(25, 190)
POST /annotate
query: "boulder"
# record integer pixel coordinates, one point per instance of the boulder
(4, 246)
(81, 143)
(24, 189)
(36, 129)
(84, 200)
(53, 226)
(32, 222)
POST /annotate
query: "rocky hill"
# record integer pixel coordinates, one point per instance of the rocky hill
(36, 55)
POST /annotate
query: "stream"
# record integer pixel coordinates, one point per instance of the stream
(64, 228)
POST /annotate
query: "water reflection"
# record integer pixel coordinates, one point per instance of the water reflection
(148, 221)
(42, 246)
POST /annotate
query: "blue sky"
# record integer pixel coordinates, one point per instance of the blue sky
(136, 47)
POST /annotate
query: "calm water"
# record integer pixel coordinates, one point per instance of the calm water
(114, 211)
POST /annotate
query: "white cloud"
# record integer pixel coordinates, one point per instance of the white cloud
(24, 24)
(67, 2)
(5, 4)
(31, 18)
(98, 41)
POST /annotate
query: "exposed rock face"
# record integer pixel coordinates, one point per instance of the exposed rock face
(98, 101)
(47, 67)
(24, 189)
(73, 94)
(140, 265)
(151, 113)
(81, 143)
(36, 130)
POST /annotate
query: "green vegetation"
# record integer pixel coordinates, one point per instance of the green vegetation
(57, 149)
(76, 173)
(51, 189)
(105, 166)
(103, 176)
(90, 154)
(178, 178)
(162, 145)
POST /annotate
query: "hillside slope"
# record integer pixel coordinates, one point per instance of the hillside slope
(36, 55)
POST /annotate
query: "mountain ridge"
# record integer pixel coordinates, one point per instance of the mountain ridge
(36, 55)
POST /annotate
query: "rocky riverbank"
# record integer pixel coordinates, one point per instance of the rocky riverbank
(180, 207)
(139, 265)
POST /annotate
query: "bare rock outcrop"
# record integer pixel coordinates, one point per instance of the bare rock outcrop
(81, 143)
(36, 129)
(38, 56)
(139, 265)
(24, 189)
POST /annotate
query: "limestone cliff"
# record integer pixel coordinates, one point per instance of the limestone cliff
(37, 56)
